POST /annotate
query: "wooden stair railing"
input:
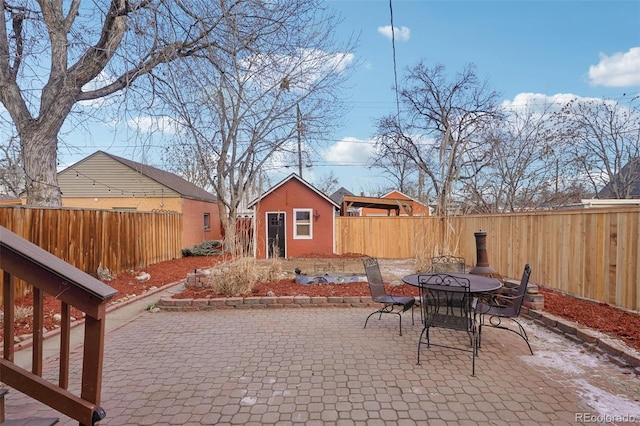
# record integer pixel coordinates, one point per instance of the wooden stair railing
(74, 288)
(49, 421)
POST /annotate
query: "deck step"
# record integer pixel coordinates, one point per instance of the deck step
(49, 421)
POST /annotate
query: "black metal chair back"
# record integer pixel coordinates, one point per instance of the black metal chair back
(505, 306)
(379, 294)
(515, 308)
(447, 303)
(448, 263)
(374, 279)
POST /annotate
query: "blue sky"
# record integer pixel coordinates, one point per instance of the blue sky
(546, 48)
(522, 47)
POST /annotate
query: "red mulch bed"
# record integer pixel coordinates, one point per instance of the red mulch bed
(599, 316)
(624, 325)
(171, 271)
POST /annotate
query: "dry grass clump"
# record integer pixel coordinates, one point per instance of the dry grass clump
(422, 262)
(240, 275)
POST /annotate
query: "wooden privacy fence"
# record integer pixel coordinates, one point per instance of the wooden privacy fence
(87, 238)
(589, 253)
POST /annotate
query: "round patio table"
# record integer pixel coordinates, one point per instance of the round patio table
(477, 283)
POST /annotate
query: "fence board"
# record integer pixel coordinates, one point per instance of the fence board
(590, 253)
(87, 238)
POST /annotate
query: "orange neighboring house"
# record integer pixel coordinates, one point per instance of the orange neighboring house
(419, 209)
(105, 181)
(293, 219)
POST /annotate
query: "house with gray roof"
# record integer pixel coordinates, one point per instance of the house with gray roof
(627, 182)
(106, 181)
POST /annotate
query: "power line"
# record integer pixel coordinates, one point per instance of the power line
(395, 65)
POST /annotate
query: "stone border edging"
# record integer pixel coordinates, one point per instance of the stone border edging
(620, 355)
(592, 340)
(168, 303)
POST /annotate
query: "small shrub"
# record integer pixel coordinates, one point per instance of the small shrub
(235, 277)
(239, 276)
(20, 313)
(206, 248)
(274, 271)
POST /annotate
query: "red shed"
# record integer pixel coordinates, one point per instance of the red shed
(293, 219)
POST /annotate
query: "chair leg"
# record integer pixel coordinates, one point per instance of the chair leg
(425, 329)
(474, 352)
(523, 334)
(497, 323)
(370, 315)
(385, 310)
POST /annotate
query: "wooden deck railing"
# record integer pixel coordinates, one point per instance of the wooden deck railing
(74, 288)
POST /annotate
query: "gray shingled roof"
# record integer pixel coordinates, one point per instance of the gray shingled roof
(168, 179)
(337, 196)
(631, 169)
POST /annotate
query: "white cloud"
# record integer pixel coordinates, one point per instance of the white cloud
(617, 70)
(537, 101)
(149, 124)
(302, 70)
(350, 151)
(101, 80)
(542, 102)
(399, 33)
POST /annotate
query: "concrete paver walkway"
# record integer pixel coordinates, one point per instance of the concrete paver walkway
(318, 366)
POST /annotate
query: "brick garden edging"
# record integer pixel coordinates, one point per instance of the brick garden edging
(167, 303)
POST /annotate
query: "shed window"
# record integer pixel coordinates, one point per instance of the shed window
(207, 221)
(302, 224)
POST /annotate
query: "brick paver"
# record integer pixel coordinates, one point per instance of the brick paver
(318, 366)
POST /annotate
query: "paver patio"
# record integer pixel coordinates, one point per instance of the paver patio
(318, 366)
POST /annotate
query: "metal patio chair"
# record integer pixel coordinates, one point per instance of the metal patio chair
(498, 307)
(448, 263)
(379, 294)
(445, 263)
(447, 303)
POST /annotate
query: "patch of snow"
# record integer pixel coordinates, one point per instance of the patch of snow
(590, 373)
(570, 361)
(607, 404)
(249, 400)
(555, 351)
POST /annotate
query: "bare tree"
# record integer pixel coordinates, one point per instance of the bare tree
(527, 170)
(441, 127)
(328, 183)
(399, 170)
(55, 55)
(178, 159)
(603, 137)
(248, 104)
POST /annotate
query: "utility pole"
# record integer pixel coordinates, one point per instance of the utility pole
(299, 125)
